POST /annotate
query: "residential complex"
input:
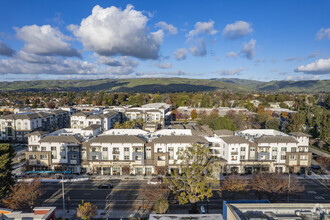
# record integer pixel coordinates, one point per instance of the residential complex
(139, 152)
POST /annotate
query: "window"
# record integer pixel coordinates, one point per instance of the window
(242, 157)
(252, 149)
(162, 158)
(292, 157)
(73, 157)
(126, 148)
(54, 152)
(83, 153)
(283, 157)
(274, 149)
(159, 150)
(138, 157)
(104, 149)
(293, 149)
(283, 149)
(126, 157)
(242, 148)
(43, 148)
(32, 157)
(115, 150)
(148, 152)
(303, 157)
(171, 153)
(43, 157)
(115, 157)
(274, 157)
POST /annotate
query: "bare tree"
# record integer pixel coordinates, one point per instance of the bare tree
(155, 192)
(23, 195)
(272, 185)
(323, 162)
(161, 170)
(125, 170)
(234, 184)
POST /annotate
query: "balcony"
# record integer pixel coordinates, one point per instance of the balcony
(234, 153)
(115, 152)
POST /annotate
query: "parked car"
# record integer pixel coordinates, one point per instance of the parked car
(154, 181)
(105, 186)
(202, 210)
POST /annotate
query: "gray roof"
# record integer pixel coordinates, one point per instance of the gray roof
(21, 116)
(57, 111)
(109, 114)
(94, 117)
(300, 134)
(39, 133)
(223, 132)
(117, 139)
(234, 140)
(180, 139)
(81, 114)
(92, 127)
(276, 139)
(59, 139)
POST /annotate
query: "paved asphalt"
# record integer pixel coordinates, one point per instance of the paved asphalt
(127, 195)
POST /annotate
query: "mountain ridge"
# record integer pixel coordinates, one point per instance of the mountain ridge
(162, 85)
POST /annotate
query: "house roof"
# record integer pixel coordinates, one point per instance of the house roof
(300, 134)
(223, 132)
(117, 139)
(81, 114)
(21, 116)
(60, 139)
(276, 139)
(180, 139)
(92, 127)
(235, 140)
(39, 133)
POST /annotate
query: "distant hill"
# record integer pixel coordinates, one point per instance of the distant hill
(162, 85)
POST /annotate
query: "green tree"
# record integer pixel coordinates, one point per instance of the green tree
(197, 174)
(296, 121)
(223, 123)
(7, 153)
(193, 114)
(273, 123)
(162, 206)
(86, 210)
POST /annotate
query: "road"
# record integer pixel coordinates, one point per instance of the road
(127, 195)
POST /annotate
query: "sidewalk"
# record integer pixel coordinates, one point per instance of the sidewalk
(104, 214)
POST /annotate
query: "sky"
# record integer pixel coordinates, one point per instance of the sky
(84, 39)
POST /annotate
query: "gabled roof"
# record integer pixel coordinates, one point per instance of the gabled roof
(81, 114)
(39, 133)
(300, 134)
(180, 139)
(276, 139)
(223, 132)
(21, 116)
(117, 139)
(92, 127)
(60, 139)
(235, 140)
(94, 117)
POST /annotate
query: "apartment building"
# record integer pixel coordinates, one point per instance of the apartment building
(135, 151)
(106, 120)
(114, 155)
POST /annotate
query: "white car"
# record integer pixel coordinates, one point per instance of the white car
(155, 181)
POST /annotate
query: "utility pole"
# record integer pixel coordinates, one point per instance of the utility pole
(289, 187)
(63, 192)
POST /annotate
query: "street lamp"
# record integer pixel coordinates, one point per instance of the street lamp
(63, 192)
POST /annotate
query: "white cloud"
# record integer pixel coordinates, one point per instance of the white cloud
(156, 74)
(323, 34)
(5, 50)
(248, 49)
(289, 59)
(167, 27)
(237, 30)
(59, 67)
(112, 31)
(199, 48)
(45, 40)
(231, 72)
(164, 65)
(231, 54)
(203, 28)
(122, 61)
(181, 54)
(319, 67)
(34, 58)
(299, 78)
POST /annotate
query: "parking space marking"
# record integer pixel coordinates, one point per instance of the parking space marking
(319, 197)
(311, 192)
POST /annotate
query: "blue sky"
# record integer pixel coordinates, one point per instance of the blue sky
(260, 40)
